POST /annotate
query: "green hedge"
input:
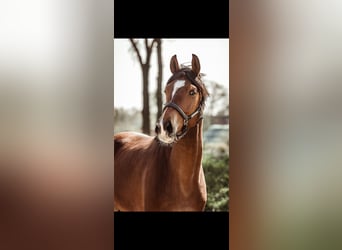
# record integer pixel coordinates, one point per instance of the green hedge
(216, 170)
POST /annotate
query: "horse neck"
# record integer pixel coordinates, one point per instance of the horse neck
(186, 156)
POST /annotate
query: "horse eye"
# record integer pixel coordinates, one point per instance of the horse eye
(192, 92)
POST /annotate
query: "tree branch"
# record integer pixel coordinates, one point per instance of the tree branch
(149, 48)
(135, 47)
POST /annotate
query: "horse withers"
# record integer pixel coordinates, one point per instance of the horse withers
(164, 172)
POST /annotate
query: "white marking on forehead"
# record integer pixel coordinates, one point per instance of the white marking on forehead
(176, 86)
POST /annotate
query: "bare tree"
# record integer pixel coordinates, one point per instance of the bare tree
(159, 95)
(145, 68)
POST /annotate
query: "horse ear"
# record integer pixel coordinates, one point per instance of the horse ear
(195, 64)
(174, 66)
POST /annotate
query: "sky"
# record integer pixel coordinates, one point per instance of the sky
(212, 53)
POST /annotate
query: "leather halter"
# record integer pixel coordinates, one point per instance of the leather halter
(186, 118)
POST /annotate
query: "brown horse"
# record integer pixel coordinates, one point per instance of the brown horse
(164, 173)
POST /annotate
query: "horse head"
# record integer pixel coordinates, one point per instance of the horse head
(185, 97)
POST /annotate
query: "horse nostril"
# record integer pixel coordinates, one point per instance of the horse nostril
(157, 129)
(168, 127)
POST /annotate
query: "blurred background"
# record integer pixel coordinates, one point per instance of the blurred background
(138, 103)
(56, 95)
(285, 125)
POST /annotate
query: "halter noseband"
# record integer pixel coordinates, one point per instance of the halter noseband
(186, 118)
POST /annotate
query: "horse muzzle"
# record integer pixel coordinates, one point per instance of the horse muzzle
(166, 132)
